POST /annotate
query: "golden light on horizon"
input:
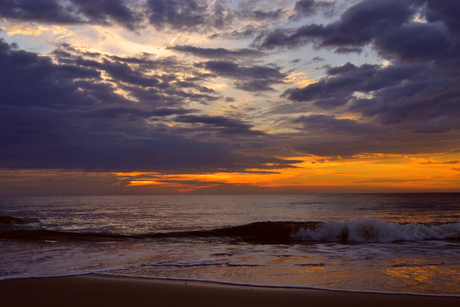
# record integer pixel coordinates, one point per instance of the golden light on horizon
(435, 172)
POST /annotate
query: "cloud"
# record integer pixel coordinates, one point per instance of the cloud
(392, 180)
(218, 53)
(24, 74)
(260, 15)
(421, 96)
(56, 182)
(103, 12)
(220, 18)
(248, 78)
(409, 109)
(118, 112)
(443, 162)
(70, 114)
(339, 88)
(391, 142)
(389, 26)
(223, 124)
(177, 14)
(330, 124)
(445, 11)
(157, 81)
(327, 136)
(358, 26)
(304, 8)
(201, 16)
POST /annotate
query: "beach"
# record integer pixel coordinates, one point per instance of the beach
(93, 290)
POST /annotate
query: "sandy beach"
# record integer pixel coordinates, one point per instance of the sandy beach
(91, 290)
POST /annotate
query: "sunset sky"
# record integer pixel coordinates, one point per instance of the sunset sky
(229, 96)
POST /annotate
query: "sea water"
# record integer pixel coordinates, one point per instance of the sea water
(405, 243)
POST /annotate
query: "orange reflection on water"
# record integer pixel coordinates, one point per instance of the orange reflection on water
(419, 275)
(312, 269)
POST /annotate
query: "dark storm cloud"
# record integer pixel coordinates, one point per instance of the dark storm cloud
(446, 11)
(389, 27)
(248, 78)
(419, 90)
(66, 116)
(118, 112)
(357, 26)
(310, 7)
(40, 11)
(345, 50)
(260, 15)
(200, 15)
(104, 12)
(419, 42)
(218, 53)
(328, 136)
(28, 79)
(43, 139)
(349, 78)
(176, 13)
(419, 96)
(223, 124)
(338, 89)
(181, 15)
(329, 124)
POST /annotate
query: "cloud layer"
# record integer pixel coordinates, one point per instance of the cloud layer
(234, 95)
(66, 115)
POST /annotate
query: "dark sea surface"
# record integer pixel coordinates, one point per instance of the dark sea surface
(405, 243)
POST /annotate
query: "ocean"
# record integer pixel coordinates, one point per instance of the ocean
(403, 243)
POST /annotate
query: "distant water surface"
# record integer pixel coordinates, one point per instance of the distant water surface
(362, 242)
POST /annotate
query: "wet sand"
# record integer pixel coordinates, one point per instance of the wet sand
(93, 290)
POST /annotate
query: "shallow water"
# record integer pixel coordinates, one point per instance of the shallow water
(365, 242)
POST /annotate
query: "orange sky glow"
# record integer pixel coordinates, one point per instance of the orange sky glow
(368, 174)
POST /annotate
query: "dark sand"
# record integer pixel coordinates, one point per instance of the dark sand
(99, 291)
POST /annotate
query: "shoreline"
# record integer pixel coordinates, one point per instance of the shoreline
(104, 290)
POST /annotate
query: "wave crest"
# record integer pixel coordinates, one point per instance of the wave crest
(284, 232)
(373, 230)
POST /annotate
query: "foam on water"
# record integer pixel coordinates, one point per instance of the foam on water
(374, 230)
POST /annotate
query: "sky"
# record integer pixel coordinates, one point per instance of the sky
(229, 96)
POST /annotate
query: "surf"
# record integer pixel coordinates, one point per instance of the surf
(363, 230)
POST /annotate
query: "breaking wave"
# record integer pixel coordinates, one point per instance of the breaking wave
(353, 231)
(373, 230)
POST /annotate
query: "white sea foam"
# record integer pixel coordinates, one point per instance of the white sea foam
(374, 230)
